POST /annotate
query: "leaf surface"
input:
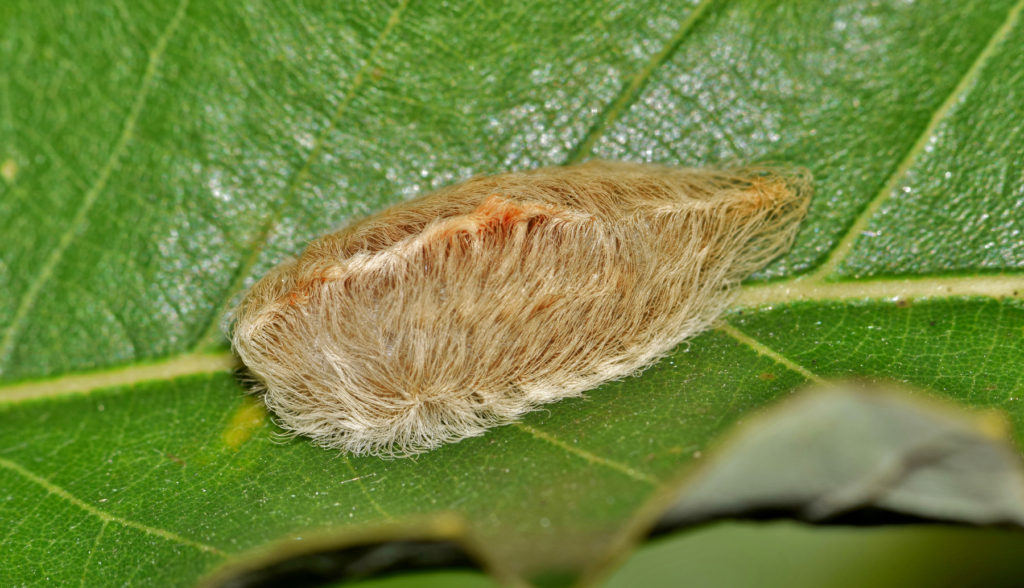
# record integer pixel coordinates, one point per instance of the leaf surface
(156, 158)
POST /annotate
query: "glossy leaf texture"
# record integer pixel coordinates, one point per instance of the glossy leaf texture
(156, 158)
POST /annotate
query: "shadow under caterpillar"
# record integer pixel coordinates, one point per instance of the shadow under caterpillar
(440, 317)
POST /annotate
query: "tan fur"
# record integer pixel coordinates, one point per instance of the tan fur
(443, 316)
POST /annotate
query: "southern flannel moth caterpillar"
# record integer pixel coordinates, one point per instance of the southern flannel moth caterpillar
(440, 317)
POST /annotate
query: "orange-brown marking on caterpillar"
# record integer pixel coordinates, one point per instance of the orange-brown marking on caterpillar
(493, 214)
(302, 290)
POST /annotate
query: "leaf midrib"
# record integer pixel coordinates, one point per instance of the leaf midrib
(800, 289)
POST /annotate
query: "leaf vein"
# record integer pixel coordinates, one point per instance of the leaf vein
(965, 84)
(588, 456)
(56, 490)
(762, 349)
(631, 91)
(95, 548)
(358, 479)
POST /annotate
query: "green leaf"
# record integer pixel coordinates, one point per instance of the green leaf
(156, 158)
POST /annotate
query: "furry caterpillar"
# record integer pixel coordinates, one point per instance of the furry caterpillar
(440, 317)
